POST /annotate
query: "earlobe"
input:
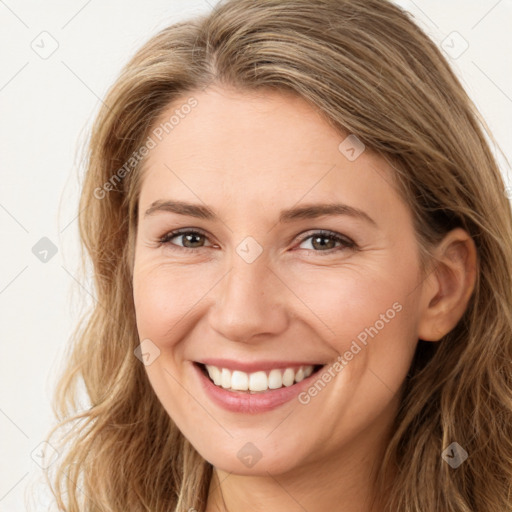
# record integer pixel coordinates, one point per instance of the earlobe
(448, 287)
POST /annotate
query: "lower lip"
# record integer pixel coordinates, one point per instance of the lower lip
(239, 401)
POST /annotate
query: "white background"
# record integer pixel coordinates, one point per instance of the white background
(47, 106)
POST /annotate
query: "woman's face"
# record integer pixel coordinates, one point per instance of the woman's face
(269, 282)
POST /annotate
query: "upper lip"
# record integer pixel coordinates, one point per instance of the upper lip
(254, 366)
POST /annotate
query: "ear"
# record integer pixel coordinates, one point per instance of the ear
(448, 287)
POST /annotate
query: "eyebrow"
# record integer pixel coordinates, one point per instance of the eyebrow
(309, 211)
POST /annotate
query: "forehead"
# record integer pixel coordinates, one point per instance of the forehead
(248, 148)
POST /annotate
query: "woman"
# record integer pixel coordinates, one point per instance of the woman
(302, 255)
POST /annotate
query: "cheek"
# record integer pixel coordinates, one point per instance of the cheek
(164, 296)
(357, 302)
(367, 315)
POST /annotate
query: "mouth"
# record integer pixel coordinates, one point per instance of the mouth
(257, 382)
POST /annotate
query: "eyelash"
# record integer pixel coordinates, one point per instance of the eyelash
(346, 242)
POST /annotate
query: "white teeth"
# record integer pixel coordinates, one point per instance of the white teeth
(299, 375)
(257, 381)
(275, 379)
(225, 378)
(215, 375)
(288, 377)
(239, 381)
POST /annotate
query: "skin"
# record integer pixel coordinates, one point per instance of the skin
(248, 156)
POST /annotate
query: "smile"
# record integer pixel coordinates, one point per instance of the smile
(256, 379)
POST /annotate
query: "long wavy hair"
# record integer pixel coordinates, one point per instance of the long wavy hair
(371, 71)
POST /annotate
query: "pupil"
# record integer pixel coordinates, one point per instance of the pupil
(322, 238)
(192, 235)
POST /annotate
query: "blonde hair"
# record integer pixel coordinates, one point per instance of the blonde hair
(372, 72)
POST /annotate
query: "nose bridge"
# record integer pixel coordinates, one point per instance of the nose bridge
(248, 299)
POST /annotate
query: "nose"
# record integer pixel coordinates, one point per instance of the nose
(249, 302)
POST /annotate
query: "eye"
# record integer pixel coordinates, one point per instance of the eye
(318, 241)
(188, 236)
